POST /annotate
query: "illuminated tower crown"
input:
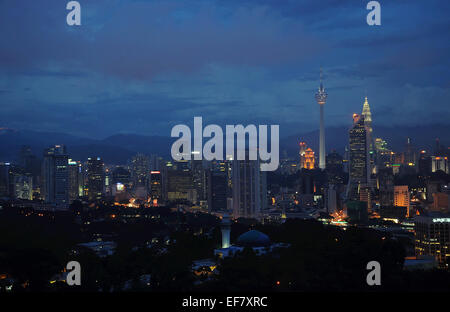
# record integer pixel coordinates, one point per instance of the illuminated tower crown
(321, 95)
(366, 113)
(368, 121)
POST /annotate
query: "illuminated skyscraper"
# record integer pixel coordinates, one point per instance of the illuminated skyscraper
(358, 151)
(309, 159)
(96, 178)
(249, 189)
(402, 198)
(358, 158)
(368, 122)
(140, 168)
(76, 180)
(321, 98)
(55, 176)
(156, 187)
(432, 236)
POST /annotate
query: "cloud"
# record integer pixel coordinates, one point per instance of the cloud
(143, 66)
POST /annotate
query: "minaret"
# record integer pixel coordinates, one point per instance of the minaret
(321, 98)
(225, 228)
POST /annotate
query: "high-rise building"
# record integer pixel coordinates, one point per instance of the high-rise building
(358, 158)
(441, 202)
(321, 98)
(95, 178)
(424, 163)
(249, 189)
(368, 123)
(76, 180)
(432, 237)
(217, 190)
(156, 193)
(410, 153)
(31, 165)
(199, 179)
(309, 159)
(331, 199)
(140, 169)
(371, 159)
(23, 186)
(179, 183)
(358, 152)
(439, 163)
(386, 186)
(4, 179)
(402, 198)
(122, 176)
(55, 176)
(335, 168)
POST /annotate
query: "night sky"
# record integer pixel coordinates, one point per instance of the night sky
(144, 66)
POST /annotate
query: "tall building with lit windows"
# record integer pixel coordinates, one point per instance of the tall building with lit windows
(55, 176)
(95, 178)
(140, 168)
(358, 158)
(249, 189)
(156, 187)
(309, 159)
(402, 197)
(368, 122)
(76, 180)
(432, 237)
(358, 151)
(439, 163)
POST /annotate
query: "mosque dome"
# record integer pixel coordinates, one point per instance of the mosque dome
(253, 238)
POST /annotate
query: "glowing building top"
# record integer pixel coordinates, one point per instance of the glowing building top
(321, 95)
(367, 115)
(309, 159)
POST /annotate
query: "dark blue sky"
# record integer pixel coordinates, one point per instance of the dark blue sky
(144, 66)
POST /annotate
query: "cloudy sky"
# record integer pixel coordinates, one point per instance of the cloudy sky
(137, 66)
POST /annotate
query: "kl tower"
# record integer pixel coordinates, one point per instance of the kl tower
(321, 98)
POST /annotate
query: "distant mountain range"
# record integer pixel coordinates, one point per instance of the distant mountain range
(121, 147)
(114, 149)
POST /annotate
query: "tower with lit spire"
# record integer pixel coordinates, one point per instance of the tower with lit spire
(368, 122)
(321, 98)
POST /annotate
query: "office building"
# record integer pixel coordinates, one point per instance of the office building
(156, 193)
(76, 180)
(95, 178)
(402, 198)
(249, 189)
(432, 237)
(55, 176)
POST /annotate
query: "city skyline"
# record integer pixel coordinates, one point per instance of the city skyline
(214, 148)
